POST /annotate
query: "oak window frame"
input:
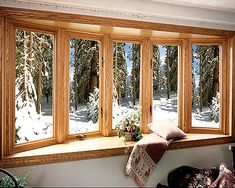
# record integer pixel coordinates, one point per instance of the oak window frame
(59, 137)
(132, 40)
(83, 36)
(180, 82)
(223, 87)
(9, 86)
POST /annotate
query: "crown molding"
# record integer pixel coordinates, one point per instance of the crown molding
(75, 8)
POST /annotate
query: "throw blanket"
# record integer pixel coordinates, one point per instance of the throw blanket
(145, 156)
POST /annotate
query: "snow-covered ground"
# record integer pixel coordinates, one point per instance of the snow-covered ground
(33, 126)
(40, 126)
(79, 123)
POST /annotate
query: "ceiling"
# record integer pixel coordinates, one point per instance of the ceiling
(218, 14)
(224, 5)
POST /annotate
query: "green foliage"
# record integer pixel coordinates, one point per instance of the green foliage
(130, 124)
(85, 63)
(7, 182)
(208, 72)
(17, 137)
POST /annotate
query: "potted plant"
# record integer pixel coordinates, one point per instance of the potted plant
(9, 180)
(129, 128)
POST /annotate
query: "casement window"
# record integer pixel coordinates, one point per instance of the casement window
(165, 65)
(33, 86)
(29, 88)
(209, 87)
(64, 83)
(84, 84)
(126, 81)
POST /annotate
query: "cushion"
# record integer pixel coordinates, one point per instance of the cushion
(166, 129)
(186, 176)
(226, 178)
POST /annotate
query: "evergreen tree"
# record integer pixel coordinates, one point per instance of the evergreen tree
(171, 69)
(157, 72)
(208, 71)
(134, 57)
(119, 70)
(85, 64)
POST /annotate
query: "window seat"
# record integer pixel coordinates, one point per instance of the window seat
(98, 148)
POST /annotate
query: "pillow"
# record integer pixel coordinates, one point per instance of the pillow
(226, 178)
(166, 129)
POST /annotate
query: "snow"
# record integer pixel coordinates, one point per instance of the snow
(79, 123)
(163, 109)
(34, 126)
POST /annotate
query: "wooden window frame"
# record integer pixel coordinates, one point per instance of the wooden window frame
(223, 87)
(9, 127)
(180, 83)
(8, 17)
(84, 36)
(141, 42)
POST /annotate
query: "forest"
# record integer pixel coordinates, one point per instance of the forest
(34, 84)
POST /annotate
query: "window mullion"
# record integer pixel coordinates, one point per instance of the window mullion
(107, 86)
(60, 78)
(145, 85)
(186, 85)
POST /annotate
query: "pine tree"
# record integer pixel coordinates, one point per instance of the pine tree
(157, 72)
(119, 69)
(208, 74)
(86, 69)
(171, 69)
(134, 57)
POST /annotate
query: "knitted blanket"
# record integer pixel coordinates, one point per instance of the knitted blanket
(145, 156)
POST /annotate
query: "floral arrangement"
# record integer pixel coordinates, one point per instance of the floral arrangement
(129, 128)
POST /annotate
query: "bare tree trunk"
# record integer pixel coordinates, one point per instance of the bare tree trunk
(31, 51)
(25, 66)
(167, 75)
(39, 88)
(134, 80)
(75, 75)
(200, 83)
(94, 68)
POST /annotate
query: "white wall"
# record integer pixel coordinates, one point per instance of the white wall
(148, 10)
(110, 171)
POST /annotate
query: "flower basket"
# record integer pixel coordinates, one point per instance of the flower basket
(129, 128)
(128, 136)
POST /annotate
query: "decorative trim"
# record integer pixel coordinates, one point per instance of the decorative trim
(69, 7)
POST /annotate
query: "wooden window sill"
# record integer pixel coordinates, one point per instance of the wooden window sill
(98, 148)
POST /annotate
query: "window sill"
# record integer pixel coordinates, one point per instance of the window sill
(98, 148)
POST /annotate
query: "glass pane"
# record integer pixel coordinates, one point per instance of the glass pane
(165, 78)
(84, 86)
(205, 86)
(126, 80)
(33, 86)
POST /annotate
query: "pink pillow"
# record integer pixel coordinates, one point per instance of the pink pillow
(226, 178)
(166, 129)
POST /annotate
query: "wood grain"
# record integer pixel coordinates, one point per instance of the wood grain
(99, 148)
(146, 85)
(56, 16)
(107, 63)
(186, 66)
(2, 77)
(59, 86)
(223, 88)
(231, 52)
